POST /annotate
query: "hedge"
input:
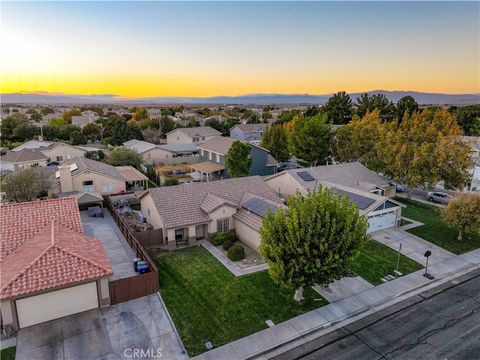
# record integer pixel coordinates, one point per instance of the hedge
(236, 253)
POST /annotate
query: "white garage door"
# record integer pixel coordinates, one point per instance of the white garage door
(56, 304)
(381, 221)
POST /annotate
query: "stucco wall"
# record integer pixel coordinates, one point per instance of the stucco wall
(178, 137)
(24, 165)
(150, 212)
(99, 182)
(66, 151)
(284, 184)
(220, 213)
(247, 235)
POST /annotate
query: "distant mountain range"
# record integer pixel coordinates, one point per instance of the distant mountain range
(252, 99)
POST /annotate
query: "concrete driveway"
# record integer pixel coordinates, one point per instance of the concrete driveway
(412, 246)
(111, 333)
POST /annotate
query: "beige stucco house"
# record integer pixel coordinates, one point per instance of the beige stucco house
(195, 135)
(86, 175)
(189, 212)
(50, 269)
(54, 151)
(164, 154)
(382, 212)
(23, 159)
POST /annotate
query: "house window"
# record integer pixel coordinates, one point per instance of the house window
(59, 158)
(88, 186)
(203, 137)
(181, 237)
(196, 139)
(107, 188)
(223, 225)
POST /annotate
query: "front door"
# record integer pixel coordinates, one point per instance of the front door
(200, 231)
(181, 237)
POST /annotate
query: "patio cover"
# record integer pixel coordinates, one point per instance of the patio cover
(208, 167)
(131, 174)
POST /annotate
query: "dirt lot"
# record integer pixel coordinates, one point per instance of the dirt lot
(166, 171)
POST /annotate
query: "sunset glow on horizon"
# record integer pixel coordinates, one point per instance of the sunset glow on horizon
(151, 49)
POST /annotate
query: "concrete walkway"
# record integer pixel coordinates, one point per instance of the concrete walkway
(111, 333)
(412, 246)
(118, 250)
(306, 326)
(345, 287)
(413, 224)
(229, 264)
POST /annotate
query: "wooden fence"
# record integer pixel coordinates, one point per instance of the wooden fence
(138, 285)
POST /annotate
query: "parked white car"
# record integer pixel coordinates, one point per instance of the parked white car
(439, 197)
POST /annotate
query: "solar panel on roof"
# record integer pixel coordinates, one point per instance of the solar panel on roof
(305, 175)
(258, 206)
(362, 202)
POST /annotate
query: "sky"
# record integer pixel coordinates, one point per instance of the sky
(147, 49)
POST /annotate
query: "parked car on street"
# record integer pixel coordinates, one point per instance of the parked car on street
(439, 197)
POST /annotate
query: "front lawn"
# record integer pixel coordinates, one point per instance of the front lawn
(208, 303)
(376, 260)
(436, 230)
(8, 353)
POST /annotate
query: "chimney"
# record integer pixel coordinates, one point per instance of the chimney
(66, 181)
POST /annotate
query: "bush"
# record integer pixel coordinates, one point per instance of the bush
(217, 239)
(227, 244)
(170, 182)
(236, 253)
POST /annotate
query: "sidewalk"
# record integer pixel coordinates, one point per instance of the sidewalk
(413, 246)
(361, 304)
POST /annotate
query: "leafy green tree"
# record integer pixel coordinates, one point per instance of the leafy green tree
(116, 131)
(424, 149)
(287, 116)
(9, 124)
(51, 132)
(367, 103)
(25, 132)
(66, 131)
(140, 114)
(406, 104)
(312, 111)
(121, 156)
(36, 117)
(78, 138)
(266, 115)
(24, 185)
(238, 160)
(338, 108)
(254, 119)
(153, 175)
(468, 118)
(59, 123)
(166, 125)
(310, 140)
(92, 131)
(275, 140)
(357, 141)
(313, 241)
(463, 212)
(31, 111)
(46, 110)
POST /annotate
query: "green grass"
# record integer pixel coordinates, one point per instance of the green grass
(208, 303)
(436, 230)
(8, 353)
(376, 260)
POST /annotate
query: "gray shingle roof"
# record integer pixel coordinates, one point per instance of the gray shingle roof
(181, 205)
(139, 145)
(23, 155)
(218, 145)
(250, 127)
(201, 131)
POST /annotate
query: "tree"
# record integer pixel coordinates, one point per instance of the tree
(275, 140)
(310, 140)
(463, 211)
(25, 132)
(67, 115)
(66, 131)
(367, 103)
(122, 156)
(339, 108)
(116, 131)
(424, 149)
(468, 118)
(92, 131)
(140, 114)
(287, 116)
(406, 104)
(170, 182)
(266, 115)
(10, 123)
(46, 110)
(238, 160)
(59, 122)
(24, 185)
(50, 132)
(166, 124)
(254, 119)
(77, 138)
(313, 241)
(153, 136)
(357, 141)
(153, 175)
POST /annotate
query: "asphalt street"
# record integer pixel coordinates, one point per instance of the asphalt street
(443, 323)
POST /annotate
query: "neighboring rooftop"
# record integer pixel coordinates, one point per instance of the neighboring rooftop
(33, 144)
(250, 127)
(23, 155)
(200, 131)
(219, 145)
(131, 174)
(139, 145)
(182, 204)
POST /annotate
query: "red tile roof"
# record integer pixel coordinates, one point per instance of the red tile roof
(22, 221)
(54, 256)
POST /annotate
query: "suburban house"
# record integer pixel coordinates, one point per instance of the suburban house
(187, 213)
(85, 175)
(194, 135)
(87, 117)
(212, 157)
(474, 143)
(54, 151)
(382, 212)
(26, 158)
(164, 154)
(50, 269)
(251, 133)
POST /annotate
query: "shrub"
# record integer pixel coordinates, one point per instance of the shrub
(236, 253)
(217, 239)
(229, 235)
(227, 244)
